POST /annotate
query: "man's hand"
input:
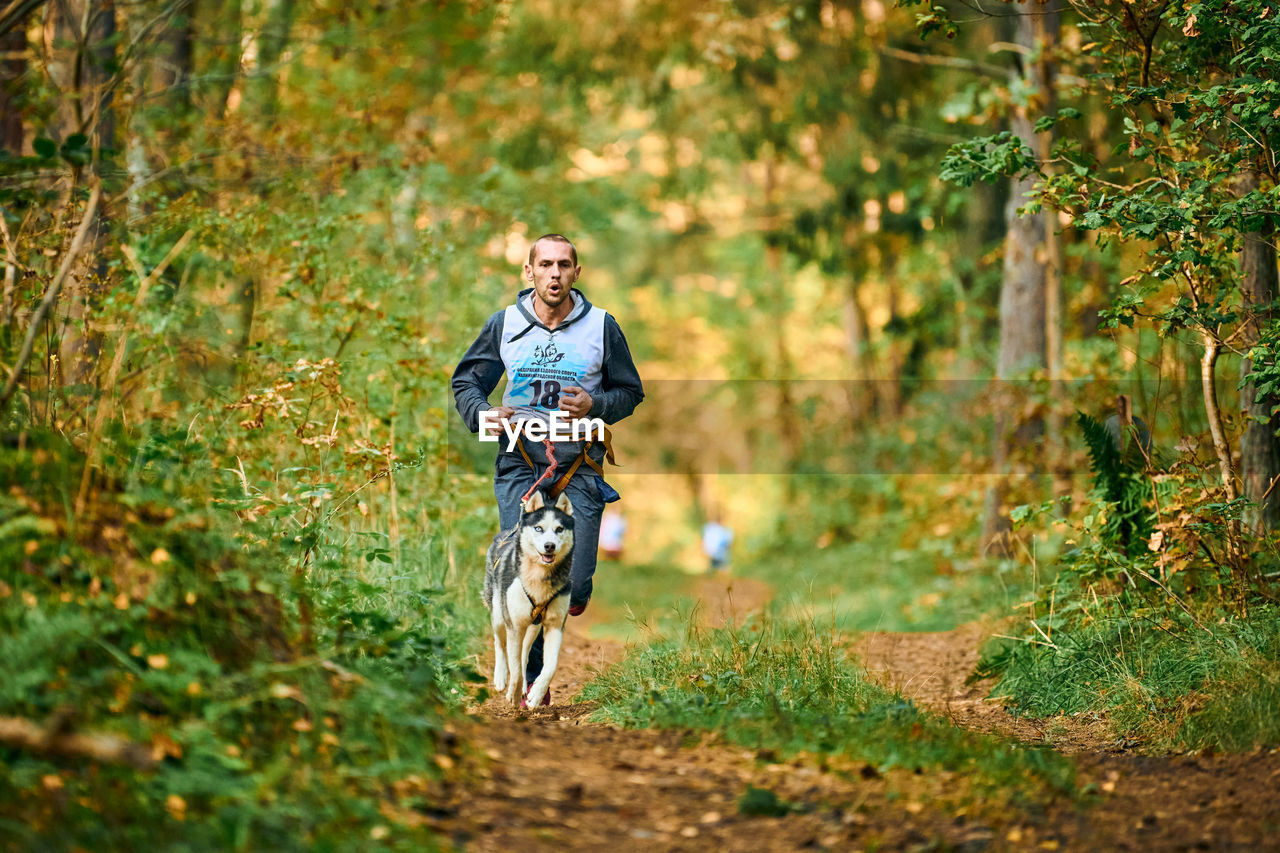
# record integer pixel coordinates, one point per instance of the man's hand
(504, 413)
(575, 401)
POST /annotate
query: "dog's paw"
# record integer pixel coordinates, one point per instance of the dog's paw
(537, 696)
(499, 682)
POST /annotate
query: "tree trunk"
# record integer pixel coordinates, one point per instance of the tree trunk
(1259, 447)
(983, 227)
(221, 29)
(85, 73)
(13, 45)
(1023, 326)
(788, 425)
(271, 44)
(100, 46)
(172, 70)
(245, 301)
(862, 400)
(1209, 390)
(162, 83)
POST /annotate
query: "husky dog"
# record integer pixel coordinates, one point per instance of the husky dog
(526, 584)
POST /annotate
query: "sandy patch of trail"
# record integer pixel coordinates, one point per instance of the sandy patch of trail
(931, 668)
(554, 782)
(726, 599)
(1218, 802)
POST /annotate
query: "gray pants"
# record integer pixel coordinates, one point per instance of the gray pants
(512, 478)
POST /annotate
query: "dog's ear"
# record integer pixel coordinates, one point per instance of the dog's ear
(535, 502)
(564, 505)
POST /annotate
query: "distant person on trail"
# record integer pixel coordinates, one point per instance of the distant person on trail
(613, 527)
(559, 353)
(716, 540)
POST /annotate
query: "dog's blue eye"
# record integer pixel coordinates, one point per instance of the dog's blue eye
(538, 528)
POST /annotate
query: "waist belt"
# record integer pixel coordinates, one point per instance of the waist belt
(582, 458)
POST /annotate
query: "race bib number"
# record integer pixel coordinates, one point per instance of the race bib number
(542, 375)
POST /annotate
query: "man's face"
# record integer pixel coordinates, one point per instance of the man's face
(552, 272)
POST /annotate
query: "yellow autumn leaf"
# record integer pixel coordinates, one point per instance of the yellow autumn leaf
(176, 806)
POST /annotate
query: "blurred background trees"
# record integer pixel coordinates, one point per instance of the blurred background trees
(1070, 199)
(845, 256)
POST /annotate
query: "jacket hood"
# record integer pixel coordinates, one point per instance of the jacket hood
(524, 303)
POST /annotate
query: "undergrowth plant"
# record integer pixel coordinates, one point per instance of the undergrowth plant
(1119, 479)
(1163, 682)
(156, 688)
(1156, 616)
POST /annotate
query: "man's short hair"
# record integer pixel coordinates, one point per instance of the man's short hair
(555, 238)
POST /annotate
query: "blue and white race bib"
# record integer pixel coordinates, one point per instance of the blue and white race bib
(541, 364)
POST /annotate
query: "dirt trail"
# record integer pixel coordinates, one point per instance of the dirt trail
(553, 781)
(931, 668)
(547, 779)
(1218, 802)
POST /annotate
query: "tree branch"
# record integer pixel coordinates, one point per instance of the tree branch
(945, 62)
(13, 14)
(50, 296)
(112, 749)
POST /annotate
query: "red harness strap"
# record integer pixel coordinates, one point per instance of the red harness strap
(547, 475)
(583, 457)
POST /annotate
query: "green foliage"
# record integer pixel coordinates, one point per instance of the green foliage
(1183, 686)
(1171, 184)
(763, 803)
(1263, 371)
(1121, 483)
(148, 618)
(937, 19)
(789, 687)
(988, 159)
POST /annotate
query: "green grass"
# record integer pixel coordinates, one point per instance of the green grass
(885, 574)
(873, 587)
(788, 687)
(637, 602)
(1168, 683)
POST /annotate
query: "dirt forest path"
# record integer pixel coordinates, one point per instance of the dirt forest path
(549, 779)
(1217, 802)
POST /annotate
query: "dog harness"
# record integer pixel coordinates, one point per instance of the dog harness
(540, 610)
(561, 484)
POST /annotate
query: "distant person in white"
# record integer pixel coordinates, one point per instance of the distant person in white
(613, 527)
(716, 539)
